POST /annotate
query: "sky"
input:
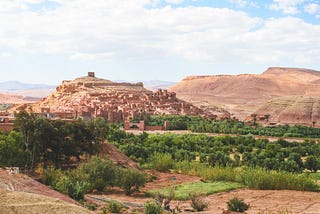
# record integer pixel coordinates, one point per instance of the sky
(47, 41)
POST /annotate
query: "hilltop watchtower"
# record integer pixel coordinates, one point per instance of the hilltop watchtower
(91, 74)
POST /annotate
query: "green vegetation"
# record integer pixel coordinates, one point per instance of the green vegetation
(255, 178)
(181, 192)
(113, 207)
(237, 205)
(130, 180)
(152, 207)
(96, 174)
(161, 161)
(220, 151)
(232, 126)
(243, 160)
(37, 140)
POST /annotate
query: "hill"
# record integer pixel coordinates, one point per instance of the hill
(26, 89)
(20, 193)
(89, 97)
(243, 94)
(7, 98)
(291, 110)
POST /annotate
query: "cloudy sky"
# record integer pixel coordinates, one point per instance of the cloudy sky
(46, 41)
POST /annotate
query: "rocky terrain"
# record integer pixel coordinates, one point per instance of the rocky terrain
(20, 193)
(291, 110)
(244, 94)
(90, 97)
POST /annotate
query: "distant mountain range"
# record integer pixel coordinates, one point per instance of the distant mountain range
(26, 90)
(15, 86)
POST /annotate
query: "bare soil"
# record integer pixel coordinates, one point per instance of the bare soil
(20, 193)
(12, 202)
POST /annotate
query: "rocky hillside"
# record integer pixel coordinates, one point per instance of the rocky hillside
(20, 193)
(243, 94)
(291, 110)
(90, 97)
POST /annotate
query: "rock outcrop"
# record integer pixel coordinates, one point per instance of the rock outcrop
(243, 94)
(302, 110)
(90, 97)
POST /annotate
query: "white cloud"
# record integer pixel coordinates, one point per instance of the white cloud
(9, 5)
(94, 56)
(106, 30)
(244, 3)
(287, 6)
(174, 1)
(312, 8)
(4, 55)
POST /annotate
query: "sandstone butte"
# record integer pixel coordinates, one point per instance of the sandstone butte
(277, 96)
(90, 97)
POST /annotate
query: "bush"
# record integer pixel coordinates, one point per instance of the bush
(75, 189)
(130, 180)
(152, 207)
(237, 205)
(197, 201)
(52, 176)
(99, 173)
(161, 161)
(91, 206)
(114, 207)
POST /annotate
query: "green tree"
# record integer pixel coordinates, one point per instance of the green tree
(312, 163)
(130, 180)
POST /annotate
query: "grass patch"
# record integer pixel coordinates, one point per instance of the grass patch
(315, 176)
(276, 180)
(207, 188)
(254, 178)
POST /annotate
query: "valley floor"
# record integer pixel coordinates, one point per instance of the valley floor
(263, 201)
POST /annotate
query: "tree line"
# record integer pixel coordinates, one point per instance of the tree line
(223, 150)
(232, 126)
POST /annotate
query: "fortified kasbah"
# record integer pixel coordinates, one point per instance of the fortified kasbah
(90, 97)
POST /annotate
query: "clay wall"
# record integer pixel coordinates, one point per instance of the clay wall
(6, 127)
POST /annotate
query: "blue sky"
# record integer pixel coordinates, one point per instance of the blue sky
(47, 41)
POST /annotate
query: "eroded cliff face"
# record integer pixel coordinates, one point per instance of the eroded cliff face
(244, 94)
(91, 97)
(302, 110)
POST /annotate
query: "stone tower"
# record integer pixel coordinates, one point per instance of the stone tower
(91, 74)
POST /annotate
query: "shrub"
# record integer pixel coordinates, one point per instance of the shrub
(237, 205)
(161, 161)
(130, 180)
(75, 189)
(52, 176)
(152, 207)
(114, 207)
(163, 199)
(197, 201)
(99, 172)
(91, 206)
